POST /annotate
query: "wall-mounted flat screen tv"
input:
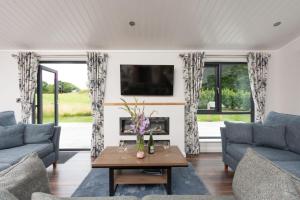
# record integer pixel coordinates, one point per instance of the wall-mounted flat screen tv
(154, 80)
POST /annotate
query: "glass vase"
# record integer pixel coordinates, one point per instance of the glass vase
(140, 145)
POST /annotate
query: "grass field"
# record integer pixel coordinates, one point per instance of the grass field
(215, 118)
(75, 107)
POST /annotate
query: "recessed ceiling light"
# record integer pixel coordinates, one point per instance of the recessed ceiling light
(277, 24)
(132, 23)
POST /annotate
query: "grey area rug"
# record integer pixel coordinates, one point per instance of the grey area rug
(185, 182)
(64, 156)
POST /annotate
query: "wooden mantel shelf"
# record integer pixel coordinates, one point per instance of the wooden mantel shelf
(145, 103)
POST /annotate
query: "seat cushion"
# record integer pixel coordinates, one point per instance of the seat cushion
(291, 166)
(7, 118)
(258, 178)
(187, 197)
(11, 136)
(13, 155)
(43, 196)
(239, 132)
(269, 136)
(4, 166)
(237, 151)
(277, 154)
(38, 133)
(292, 123)
(26, 177)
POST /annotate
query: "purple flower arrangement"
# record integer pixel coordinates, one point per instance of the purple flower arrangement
(140, 123)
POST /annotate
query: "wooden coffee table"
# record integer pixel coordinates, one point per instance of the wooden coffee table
(119, 161)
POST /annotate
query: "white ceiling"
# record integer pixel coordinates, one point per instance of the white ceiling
(160, 24)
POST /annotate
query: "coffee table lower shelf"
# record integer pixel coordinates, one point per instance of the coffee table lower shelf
(131, 178)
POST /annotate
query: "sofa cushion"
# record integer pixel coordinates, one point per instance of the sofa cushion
(4, 166)
(7, 118)
(11, 136)
(187, 197)
(292, 123)
(237, 151)
(257, 178)
(239, 132)
(26, 177)
(38, 133)
(6, 195)
(43, 196)
(270, 136)
(293, 138)
(13, 155)
(291, 166)
(277, 154)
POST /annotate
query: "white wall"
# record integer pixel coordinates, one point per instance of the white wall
(174, 112)
(9, 84)
(284, 79)
(113, 74)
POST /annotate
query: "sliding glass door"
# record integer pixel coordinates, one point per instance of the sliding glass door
(46, 99)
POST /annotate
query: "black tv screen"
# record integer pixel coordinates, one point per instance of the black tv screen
(147, 80)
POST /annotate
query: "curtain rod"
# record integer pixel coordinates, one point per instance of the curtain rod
(221, 55)
(225, 55)
(16, 56)
(61, 56)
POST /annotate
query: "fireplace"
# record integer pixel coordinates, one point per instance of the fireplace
(160, 126)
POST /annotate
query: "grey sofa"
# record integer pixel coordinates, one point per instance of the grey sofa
(255, 178)
(48, 151)
(284, 150)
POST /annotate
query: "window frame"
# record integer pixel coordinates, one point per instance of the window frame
(218, 92)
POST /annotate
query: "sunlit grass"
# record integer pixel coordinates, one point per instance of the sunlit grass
(226, 117)
(73, 107)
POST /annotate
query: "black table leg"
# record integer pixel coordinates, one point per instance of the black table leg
(169, 180)
(111, 182)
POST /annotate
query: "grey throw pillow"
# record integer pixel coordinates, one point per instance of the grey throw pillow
(11, 136)
(239, 132)
(38, 133)
(7, 118)
(6, 195)
(270, 136)
(26, 177)
(257, 178)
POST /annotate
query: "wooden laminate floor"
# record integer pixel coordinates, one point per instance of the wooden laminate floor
(66, 177)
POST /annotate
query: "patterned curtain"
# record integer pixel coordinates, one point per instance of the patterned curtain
(258, 71)
(97, 65)
(192, 75)
(27, 67)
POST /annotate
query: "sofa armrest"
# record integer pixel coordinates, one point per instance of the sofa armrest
(224, 140)
(55, 140)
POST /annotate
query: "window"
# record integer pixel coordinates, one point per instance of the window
(225, 96)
